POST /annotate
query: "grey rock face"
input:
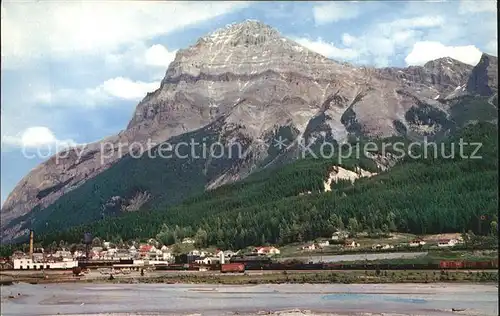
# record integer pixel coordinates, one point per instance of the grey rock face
(248, 75)
(484, 78)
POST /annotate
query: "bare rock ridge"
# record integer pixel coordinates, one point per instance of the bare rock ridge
(248, 75)
(484, 78)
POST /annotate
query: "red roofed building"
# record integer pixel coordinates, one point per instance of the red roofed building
(145, 248)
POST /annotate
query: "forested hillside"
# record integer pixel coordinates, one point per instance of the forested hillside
(425, 195)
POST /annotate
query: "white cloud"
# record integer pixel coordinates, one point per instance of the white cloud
(327, 49)
(492, 47)
(115, 88)
(426, 21)
(347, 39)
(477, 6)
(158, 55)
(125, 88)
(335, 11)
(139, 56)
(382, 41)
(36, 137)
(425, 51)
(42, 28)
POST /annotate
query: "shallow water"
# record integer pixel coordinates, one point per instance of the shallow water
(179, 299)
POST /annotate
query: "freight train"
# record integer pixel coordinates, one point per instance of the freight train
(280, 266)
(470, 265)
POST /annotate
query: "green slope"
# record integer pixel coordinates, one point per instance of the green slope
(426, 195)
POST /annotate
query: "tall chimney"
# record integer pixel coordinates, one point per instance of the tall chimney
(31, 244)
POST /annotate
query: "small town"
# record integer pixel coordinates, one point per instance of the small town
(152, 253)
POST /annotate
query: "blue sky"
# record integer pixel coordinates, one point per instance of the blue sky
(73, 72)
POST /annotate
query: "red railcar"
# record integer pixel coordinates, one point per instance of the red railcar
(468, 264)
(452, 264)
(232, 267)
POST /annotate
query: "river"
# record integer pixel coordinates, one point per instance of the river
(218, 300)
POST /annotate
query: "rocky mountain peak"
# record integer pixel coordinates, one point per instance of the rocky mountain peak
(446, 64)
(220, 68)
(250, 41)
(248, 32)
(487, 58)
(484, 77)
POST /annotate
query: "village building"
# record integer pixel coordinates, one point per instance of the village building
(351, 244)
(416, 243)
(196, 252)
(447, 242)
(382, 247)
(267, 250)
(309, 247)
(188, 240)
(79, 254)
(38, 257)
(207, 260)
(325, 243)
(64, 254)
(339, 235)
(226, 253)
(96, 249)
(164, 248)
(29, 264)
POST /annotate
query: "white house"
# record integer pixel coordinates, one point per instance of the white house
(78, 254)
(416, 243)
(96, 249)
(195, 252)
(188, 240)
(339, 235)
(152, 241)
(63, 254)
(325, 243)
(447, 242)
(351, 244)
(382, 247)
(207, 260)
(267, 250)
(37, 257)
(164, 248)
(167, 256)
(28, 264)
(227, 253)
(309, 247)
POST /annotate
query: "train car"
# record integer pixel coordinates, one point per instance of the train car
(173, 267)
(232, 268)
(451, 264)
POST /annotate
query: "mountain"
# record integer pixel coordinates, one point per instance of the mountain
(310, 198)
(246, 84)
